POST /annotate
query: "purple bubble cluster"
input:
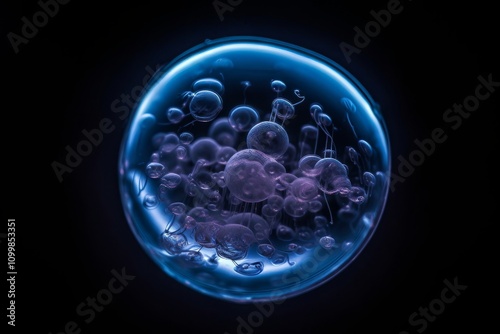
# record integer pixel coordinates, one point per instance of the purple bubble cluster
(244, 187)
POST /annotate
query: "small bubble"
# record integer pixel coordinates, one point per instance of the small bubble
(155, 170)
(175, 115)
(150, 201)
(265, 250)
(186, 138)
(177, 208)
(278, 86)
(249, 269)
(171, 180)
(327, 242)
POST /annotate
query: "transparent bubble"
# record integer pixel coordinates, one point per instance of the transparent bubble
(175, 115)
(205, 105)
(209, 84)
(186, 138)
(150, 201)
(327, 242)
(169, 143)
(274, 169)
(275, 202)
(268, 137)
(155, 170)
(221, 131)
(204, 149)
(243, 118)
(307, 165)
(295, 207)
(246, 178)
(315, 206)
(283, 109)
(266, 250)
(249, 161)
(233, 241)
(357, 195)
(177, 208)
(304, 188)
(224, 154)
(249, 269)
(173, 243)
(285, 233)
(278, 86)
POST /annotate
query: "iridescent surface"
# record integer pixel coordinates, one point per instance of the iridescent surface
(254, 169)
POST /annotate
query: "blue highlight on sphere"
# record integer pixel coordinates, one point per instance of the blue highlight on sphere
(253, 169)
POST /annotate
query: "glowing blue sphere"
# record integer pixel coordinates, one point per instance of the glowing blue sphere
(254, 169)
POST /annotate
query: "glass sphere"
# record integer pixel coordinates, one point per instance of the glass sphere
(254, 169)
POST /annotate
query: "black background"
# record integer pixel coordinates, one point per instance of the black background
(437, 225)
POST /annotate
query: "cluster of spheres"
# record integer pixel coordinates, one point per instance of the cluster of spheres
(254, 169)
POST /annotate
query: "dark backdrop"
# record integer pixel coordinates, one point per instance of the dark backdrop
(438, 224)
